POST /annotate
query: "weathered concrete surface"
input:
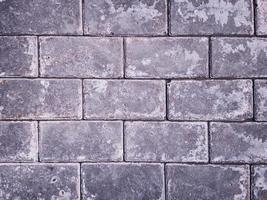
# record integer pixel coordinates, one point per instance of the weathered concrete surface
(259, 182)
(39, 181)
(18, 141)
(87, 57)
(209, 182)
(122, 181)
(261, 100)
(124, 99)
(239, 57)
(211, 17)
(166, 57)
(81, 141)
(261, 17)
(166, 141)
(40, 99)
(18, 56)
(125, 17)
(40, 17)
(238, 142)
(210, 100)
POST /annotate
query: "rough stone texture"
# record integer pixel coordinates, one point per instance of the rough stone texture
(209, 182)
(239, 57)
(166, 141)
(261, 100)
(210, 100)
(87, 57)
(124, 99)
(18, 56)
(39, 181)
(40, 17)
(18, 141)
(81, 141)
(211, 17)
(122, 181)
(259, 182)
(166, 57)
(131, 17)
(40, 99)
(261, 17)
(238, 142)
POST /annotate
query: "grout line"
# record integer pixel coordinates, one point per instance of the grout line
(140, 35)
(168, 2)
(123, 57)
(135, 120)
(38, 57)
(80, 182)
(123, 142)
(38, 141)
(210, 58)
(250, 182)
(167, 99)
(82, 15)
(209, 142)
(140, 79)
(136, 162)
(253, 101)
(255, 17)
(83, 99)
(165, 182)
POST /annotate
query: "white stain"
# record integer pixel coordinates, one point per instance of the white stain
(221, 10)
(261, 181)
(146, 61)
(140, 12)
(100, 86)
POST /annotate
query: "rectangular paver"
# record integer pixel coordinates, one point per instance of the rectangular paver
(122, 181)
(40, 17)
(259, 182)
(40, 99)
(81, 141)
(239, 57)
(209, 182)
(18, 141)
(260, 100)
(211, 17)
(133, 17)
(18, 56)
(238, 142)
(261, 17)
(166, 141)
(81, 57)
(210, 100)
(124, 99)
(39, 181)
(166, 57)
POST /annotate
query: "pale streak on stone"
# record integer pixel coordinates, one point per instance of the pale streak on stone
(220, 9)
(260, 179)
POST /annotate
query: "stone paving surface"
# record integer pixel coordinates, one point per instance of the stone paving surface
(133, 100)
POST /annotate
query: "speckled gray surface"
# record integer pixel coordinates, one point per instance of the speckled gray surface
(133, 100)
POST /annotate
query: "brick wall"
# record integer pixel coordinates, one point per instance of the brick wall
(133, 100)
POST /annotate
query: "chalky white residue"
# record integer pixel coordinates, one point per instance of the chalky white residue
(201, 150)
(256, 47)
(244, 181)
(261, 180)
(32, 51)
(256, 150)
(140, 12)
(228, 48)
(221, 10)
(100, 86)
